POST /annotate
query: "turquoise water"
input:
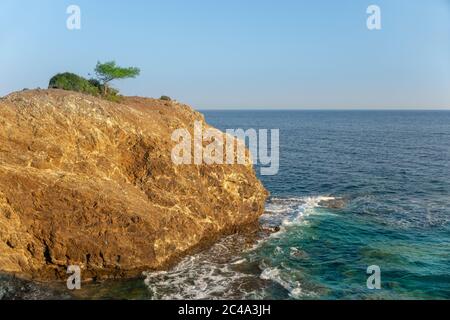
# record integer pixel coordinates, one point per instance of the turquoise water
(393, 171)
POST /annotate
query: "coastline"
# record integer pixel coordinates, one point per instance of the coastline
(112, 173)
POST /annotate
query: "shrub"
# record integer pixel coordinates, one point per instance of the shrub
(73, 82)
(95, 83)
(165, 98)
(111, 94)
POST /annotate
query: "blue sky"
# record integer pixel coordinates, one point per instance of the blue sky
(240, 54)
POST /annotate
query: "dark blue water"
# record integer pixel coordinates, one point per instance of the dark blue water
(393, 170)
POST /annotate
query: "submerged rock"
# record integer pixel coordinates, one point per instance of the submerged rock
(91, 183)
(333, 203)
(12, 288)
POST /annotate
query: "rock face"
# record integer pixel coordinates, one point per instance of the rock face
(91, 183)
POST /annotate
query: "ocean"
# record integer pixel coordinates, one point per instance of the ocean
(392, 170)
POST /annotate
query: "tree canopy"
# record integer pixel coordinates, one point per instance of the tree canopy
(109, 71)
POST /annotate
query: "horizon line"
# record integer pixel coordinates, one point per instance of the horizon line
(320, 109)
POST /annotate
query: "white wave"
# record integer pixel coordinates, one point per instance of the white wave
(285, 212)
(212, 274)
(239, 261)
(275, 275)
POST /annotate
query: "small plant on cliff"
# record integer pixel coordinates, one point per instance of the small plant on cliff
(109, 71)
(165, 98)
(73, 82)
(112, 94)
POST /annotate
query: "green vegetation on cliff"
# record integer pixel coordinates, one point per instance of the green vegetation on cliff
(72, 82)
(105, 72)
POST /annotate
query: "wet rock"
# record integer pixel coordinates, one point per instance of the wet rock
(12, 288)
(268, 230)
(333, 203)
(297, 253)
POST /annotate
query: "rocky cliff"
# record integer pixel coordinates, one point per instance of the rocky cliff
(91, 183)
